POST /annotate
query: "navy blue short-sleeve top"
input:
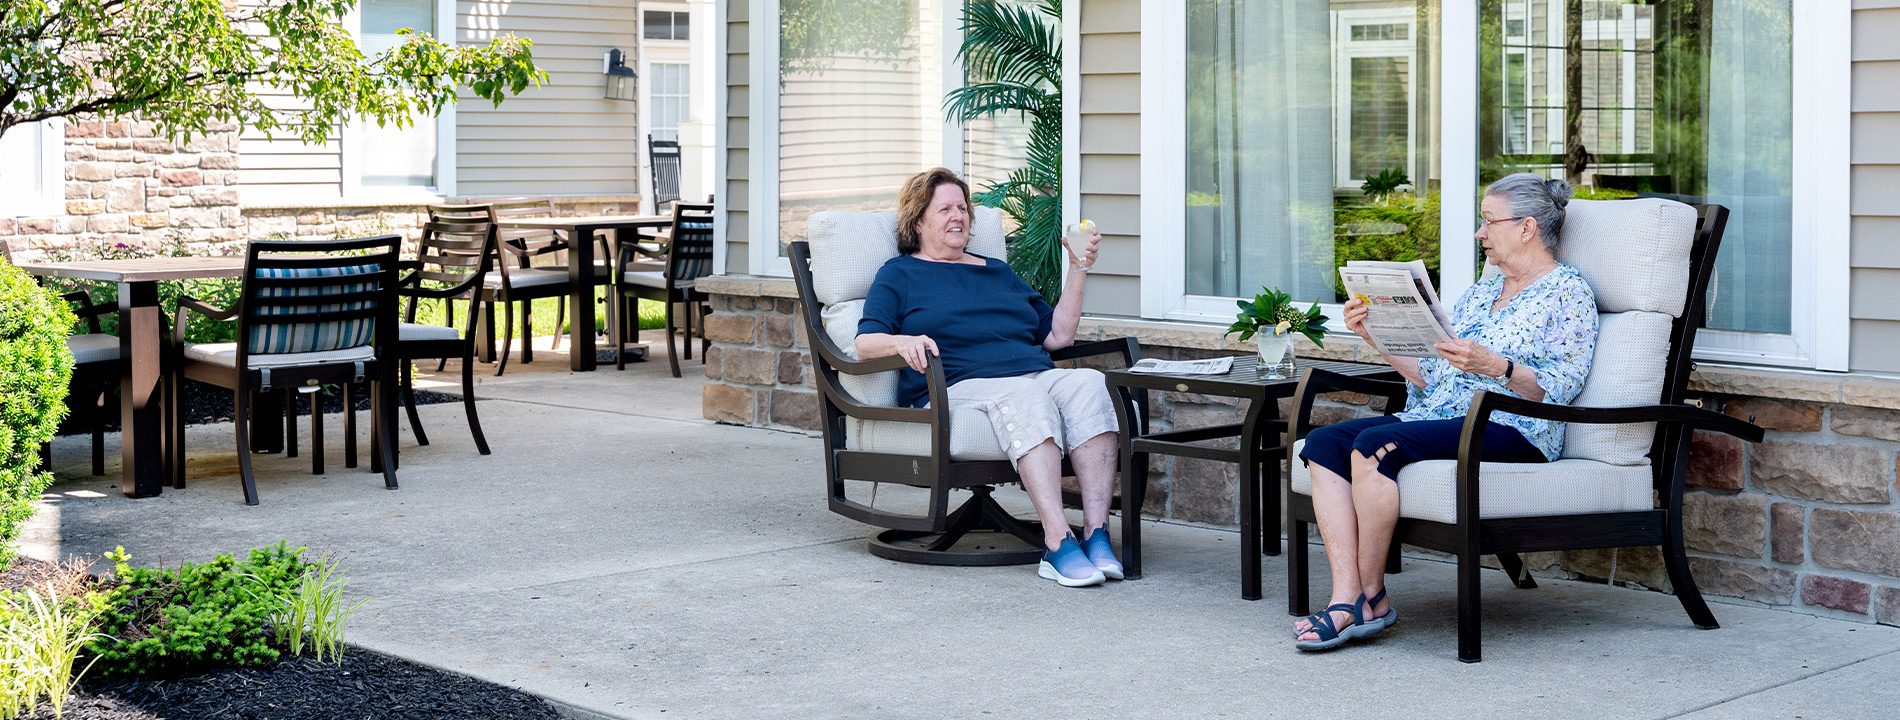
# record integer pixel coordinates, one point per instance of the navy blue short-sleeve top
(986, 321)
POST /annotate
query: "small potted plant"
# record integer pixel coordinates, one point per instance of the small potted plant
(1272, 316)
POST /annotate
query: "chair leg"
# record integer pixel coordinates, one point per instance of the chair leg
(1677, 565)
(507, 337)
(560, 325)
(316, 433)
(384, 396)
(1297, 571)
(488, 326)
(617, 326)
(527, 332)
(99, 418)
(468, 401)
(672, 349)
(241, 414)
(349, 425)
(1514, 569)
(409, 403)
(176, 410)
(1470, 614)
(290, 423)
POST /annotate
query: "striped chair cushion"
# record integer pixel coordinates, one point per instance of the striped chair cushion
(317, 336)
(693, 267)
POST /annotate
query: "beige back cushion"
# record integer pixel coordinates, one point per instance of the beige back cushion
(1634, 253)
(1626, 370)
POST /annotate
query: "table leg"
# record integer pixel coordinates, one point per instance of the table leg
(141, 416)
(580, 309)
(1249, 504)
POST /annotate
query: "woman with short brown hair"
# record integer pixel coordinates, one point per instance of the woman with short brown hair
(992, 334)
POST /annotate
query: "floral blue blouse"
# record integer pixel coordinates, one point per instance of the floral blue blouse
(1549, 328)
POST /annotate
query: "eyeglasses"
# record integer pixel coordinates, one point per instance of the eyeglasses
(1488, 223)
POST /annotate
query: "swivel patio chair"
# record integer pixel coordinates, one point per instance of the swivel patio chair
(868, 438)
(687, 256)
(452, 261)
(1619, 482)
(97, 365)
(310, 313)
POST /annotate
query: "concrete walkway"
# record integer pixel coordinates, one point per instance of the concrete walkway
(626, 559)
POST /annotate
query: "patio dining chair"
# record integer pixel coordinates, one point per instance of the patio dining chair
(663, 157)
(452, 261)
(531, 254)
(869, 438)
(1619, 482)
(685, 258)
(309, 314)
(97, 366)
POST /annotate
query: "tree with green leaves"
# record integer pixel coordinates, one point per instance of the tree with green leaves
(184, 64)
(1013, 57)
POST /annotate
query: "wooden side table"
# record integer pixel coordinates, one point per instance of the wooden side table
(1259, 431)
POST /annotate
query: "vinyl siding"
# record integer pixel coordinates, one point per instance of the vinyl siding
(1874, 340)
(735, 196)
(283, 167)
(1109, 105)
(561, 138)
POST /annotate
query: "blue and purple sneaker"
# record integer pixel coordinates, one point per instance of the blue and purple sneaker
(1069, 566)
(1102, 553)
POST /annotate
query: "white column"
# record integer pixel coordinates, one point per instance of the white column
(703, 80)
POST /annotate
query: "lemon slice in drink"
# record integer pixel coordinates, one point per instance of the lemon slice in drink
(1087, 224)
(1281, 328)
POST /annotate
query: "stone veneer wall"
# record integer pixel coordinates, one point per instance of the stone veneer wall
(124, 185)
(1809, 519)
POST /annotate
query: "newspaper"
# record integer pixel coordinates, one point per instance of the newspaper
(1213, 366)
(1406, 319)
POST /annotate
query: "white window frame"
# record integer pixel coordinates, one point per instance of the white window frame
(1822, 72)
(51, 200)
(762, 23)
(351, 136)
(1164, 293)
(1344, 51)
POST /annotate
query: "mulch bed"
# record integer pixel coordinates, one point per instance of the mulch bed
(212, 404)
(365, 685)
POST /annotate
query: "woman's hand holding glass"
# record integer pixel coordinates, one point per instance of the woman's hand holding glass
(1084, 243)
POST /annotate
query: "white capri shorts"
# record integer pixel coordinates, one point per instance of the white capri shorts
(1069, 406)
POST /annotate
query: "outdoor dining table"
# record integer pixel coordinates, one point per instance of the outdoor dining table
(580, 269)
(1259, 434)
(142, 344)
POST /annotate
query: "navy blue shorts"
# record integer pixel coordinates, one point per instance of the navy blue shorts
(1332, 446)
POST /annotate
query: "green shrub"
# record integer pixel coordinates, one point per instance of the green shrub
(168, 621)
(40, 640)
(35, 367)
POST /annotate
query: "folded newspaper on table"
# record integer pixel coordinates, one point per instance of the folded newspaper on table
(1213, 366)
(1406, 318)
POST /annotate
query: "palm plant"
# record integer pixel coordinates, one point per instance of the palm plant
(1013, 58)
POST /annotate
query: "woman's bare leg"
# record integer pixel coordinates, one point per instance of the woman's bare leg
(1094, 463)
(1041, 471)
(1339, 529)
(1375, 499)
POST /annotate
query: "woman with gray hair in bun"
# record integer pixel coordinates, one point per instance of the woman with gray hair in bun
(1528, 331)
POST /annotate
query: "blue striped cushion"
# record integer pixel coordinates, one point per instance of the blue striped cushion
(691, 268)
(318, 336)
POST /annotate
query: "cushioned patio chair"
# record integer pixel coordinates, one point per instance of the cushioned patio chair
(310, 313)
(452, 261)
(685, 257)
(869, 438)
(1619, 482)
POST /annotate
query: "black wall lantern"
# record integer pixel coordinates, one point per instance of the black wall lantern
(620, 78)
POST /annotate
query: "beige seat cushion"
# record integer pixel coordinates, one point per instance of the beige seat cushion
(1429, 490)
(527, 277)
(93, 348)
(653, 279)
(226, 354)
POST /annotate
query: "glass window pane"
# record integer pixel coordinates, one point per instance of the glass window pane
(391, 155)
(682, 23)
(669, 98)
(658, 24)
(21, 174)
(1310, 142)
(1684, 99)
(860, 104)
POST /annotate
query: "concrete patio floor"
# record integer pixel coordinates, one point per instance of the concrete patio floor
(624, 558)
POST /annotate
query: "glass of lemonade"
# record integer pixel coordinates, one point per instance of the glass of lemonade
(1078, 234)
